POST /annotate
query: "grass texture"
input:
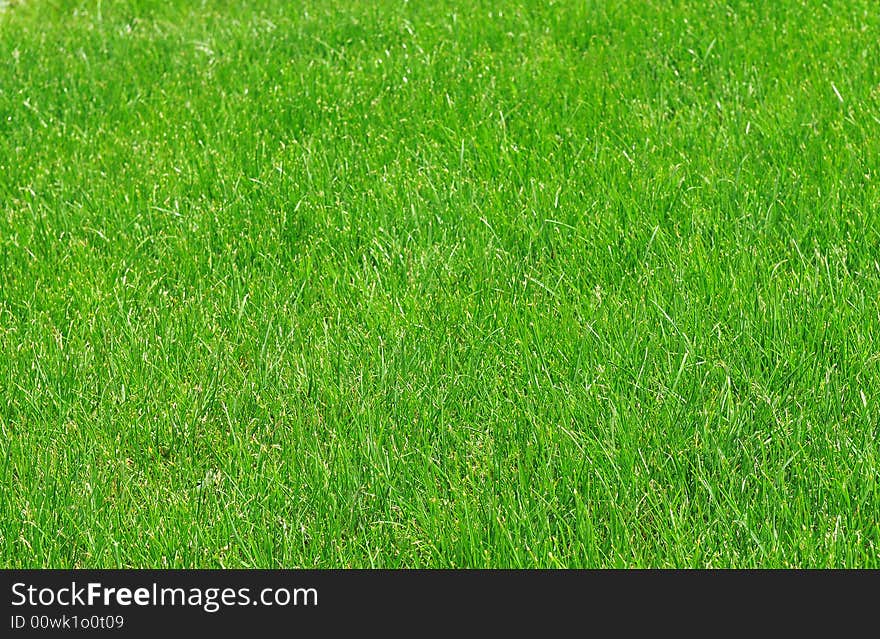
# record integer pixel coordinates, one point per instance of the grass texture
(439, 284)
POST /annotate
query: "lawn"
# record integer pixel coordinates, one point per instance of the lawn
(497, 283)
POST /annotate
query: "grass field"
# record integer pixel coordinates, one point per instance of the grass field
(478, 283)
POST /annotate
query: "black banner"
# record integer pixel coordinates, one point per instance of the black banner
(137, 602)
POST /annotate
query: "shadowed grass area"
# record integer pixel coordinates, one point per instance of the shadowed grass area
(439, 284)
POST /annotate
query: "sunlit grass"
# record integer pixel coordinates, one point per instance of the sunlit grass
(375, 283)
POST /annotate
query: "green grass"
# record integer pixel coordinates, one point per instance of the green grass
(479, 283)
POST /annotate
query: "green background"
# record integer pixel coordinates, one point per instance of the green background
(374, 283)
